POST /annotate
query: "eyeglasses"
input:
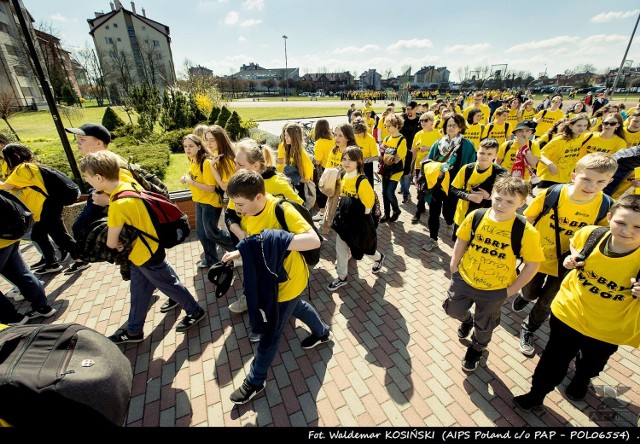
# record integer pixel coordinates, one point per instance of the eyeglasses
(425, 120)
(614, 123)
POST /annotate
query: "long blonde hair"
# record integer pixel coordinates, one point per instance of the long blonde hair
(296, 148)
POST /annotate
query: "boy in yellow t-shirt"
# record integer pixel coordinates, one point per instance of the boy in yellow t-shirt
(578, 205)
(483, 268)
(149, 266)
(246, 190)
(596, 309)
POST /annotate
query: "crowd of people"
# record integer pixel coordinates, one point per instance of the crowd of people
(520, 191)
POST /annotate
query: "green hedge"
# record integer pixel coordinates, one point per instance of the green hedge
(153, 157)
(174, 139)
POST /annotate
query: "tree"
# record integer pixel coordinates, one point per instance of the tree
(110, 120)
(176, 111)
(146, 102)
(8, 103)
(213, 117)
(269, 83)
(233, 127)
(91, 71)
(223, 116)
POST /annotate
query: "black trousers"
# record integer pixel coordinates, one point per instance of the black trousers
(440, 203)
(50, 224)
(564, 344)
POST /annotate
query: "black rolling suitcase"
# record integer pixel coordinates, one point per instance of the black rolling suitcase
(57, 374)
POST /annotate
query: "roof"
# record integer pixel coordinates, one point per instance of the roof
(105, 18)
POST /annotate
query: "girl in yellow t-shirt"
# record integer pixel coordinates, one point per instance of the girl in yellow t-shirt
(527, 111)
(608, 137)
(474, 130)
(297, 163)
(397, 142)
(344, 137)
(577, 108)
(368, 145)
(514, 112)
(202, 185)
(322, 146)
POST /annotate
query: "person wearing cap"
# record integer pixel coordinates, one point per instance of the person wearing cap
(520, 155)
(478, 97)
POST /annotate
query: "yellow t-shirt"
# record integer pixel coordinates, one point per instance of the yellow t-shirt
(573, 216)
(550, 118)
(564, 154)
(597, 144)
(307, 164)
(133, 212)
(633, 139)
(475, 179)
(422, 142)
(512, 119)
(497, 131)
(294, 264)
(597, 301)
(334, 160)
(474, 133)
(382, 130)
(4, 243)
(508, 161)
(401, 151)
(528, 115)
(485, 113)
(489, 262)
(371, 123)
(22, 177)
(364, 194)
(321, 150)
(278, 186)
(368, 146)
(206, 177)
(4, 169)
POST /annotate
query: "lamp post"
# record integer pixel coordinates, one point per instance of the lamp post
(624, 57)
(286, 68)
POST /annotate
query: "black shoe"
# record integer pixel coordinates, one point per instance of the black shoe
(122, 337)
(169, 305)
(577, 390)
(46, 269)
(43, 312)
(395, 216)
(377, 266)
(246, 392)
(405, 199)
(465, 329)
(190, 320)
(385, 218)
(41, 263)
(313, 340)
(415, 219)
(527, 402)
(76, 267)
(64, 256)
(471, 359)
(519, 303)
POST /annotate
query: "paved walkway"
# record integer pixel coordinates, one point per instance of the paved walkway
(394, 361)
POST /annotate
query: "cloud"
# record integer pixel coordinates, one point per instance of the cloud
(543, 44)
(209, 4)
(242, 39)
(410, 44)
(355, 49)
(467, 49)
(611, 15)
(231, 18)
(59, 18)
(253, 4)
(250, 22)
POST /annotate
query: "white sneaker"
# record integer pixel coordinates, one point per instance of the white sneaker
(430, 245)
(239, 306)
(318, 217)
(15, 294)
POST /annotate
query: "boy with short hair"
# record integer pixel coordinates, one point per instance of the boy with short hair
(149, 266)
(578, 205)
(483, 266)
(246, 190)
(596, 309)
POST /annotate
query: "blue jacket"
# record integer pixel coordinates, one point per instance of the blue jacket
(263, 269)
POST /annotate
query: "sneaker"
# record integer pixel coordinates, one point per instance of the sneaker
(526, 343)
(46, 269)
(76, 267)
(405, 199)
(22, 321)
(15, 294)
(519, 303)
(41, 263)
(64, 256)
(471, 359)
(318, 217)
(384, 218)
(313, 340)
(203, 264)
(255, 337)
(246, 392)
(169, 305)
(337, 284)
(377, 265)
(416, 218)
(395, 216)
(239, 306)
(465, 329)
(576, 391)
(527, 403)
(45, 312)
(190, 320)
(122, 337)
(430, 245)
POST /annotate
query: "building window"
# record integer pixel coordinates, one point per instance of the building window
(158, 56)
(108, 40)
(144, 28)
(11, 50)
(106, 27)
(115, 25)
(156, 43)
(26, 91)
(119, 39)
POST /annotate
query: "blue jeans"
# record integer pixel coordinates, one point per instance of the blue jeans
(267, 348)
(144, 280)
(13, 268)
(207, 218)
(389, 199)
(405, 183)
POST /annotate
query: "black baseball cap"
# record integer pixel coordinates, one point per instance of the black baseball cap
(92, 129)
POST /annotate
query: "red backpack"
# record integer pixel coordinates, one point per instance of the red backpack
(171, 224)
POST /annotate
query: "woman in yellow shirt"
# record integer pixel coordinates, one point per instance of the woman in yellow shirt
(322, 146)
(297, 164)
(395, 141)
(474, 130)
(608, 137)
(368, 145)
(527, 111)
(577, 108)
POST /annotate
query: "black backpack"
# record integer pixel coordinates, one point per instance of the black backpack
(594, 237)
(376, 211)
(312, 257)
(56, 372)
(60, 188)
(517, 231)
(17, 220)
(147, 180)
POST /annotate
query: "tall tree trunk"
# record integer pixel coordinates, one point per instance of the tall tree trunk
(11, 128)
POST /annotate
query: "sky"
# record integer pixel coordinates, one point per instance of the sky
(336, 36)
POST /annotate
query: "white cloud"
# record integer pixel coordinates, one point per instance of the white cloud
(250, 22)
(410, 44)
(603, 38)
(611, 15)
(231, 18)
(253, 4)
(59, 18)
(467, 49)
(242, 39)
(543, 44)
(209, 4)
(355, 49)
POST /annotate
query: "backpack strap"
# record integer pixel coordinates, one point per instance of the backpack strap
(605, 206)
(544, 113)
(584, 142)
(489, 130)
(358, 180)
(468, 172)
(551, 199)
(477, 217)
(279, 211)
(517, 233)
(594, 237)
(506, 150)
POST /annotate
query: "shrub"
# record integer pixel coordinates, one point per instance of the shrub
(124, 141)
(215, 111)
(223, 116)
(264, 137)
(153, 157)
(173, 139)
(197, 116)
(110, 120)
(233, 127)
(123, 131)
